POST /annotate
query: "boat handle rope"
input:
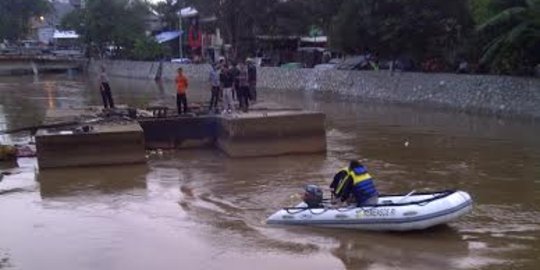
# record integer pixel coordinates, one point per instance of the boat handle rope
(342, 210)
(325, 209)
(308, 209)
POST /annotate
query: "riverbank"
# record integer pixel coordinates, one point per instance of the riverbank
(486, 94)
(205, 205)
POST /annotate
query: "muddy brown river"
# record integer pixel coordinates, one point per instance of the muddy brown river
(198, 209)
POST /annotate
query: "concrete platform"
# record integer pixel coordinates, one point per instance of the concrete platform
(108, 143)
(267, 130)
(179, 132)
(272, 133)
(78, 115)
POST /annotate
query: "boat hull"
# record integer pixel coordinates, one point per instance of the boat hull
(392, 213)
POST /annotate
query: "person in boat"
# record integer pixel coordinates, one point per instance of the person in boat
(354, 180)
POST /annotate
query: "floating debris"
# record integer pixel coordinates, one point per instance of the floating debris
(8, 153)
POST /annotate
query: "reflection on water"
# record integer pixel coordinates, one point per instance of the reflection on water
(82, 182)
(51, 100)
(437, 248)
(198, 209)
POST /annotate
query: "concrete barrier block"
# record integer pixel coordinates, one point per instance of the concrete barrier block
(260, 125)
(271, 134)
(106, 144)
(178, 132)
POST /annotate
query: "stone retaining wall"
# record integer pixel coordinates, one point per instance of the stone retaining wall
(22, 66)
(497, 95)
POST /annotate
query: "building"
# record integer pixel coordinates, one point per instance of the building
(279, 50)
(42, 28)
(153, 22)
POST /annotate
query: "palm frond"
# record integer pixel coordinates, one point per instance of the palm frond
(531, 38)
(505, 16)
(517, 32)
(492, 48)
(532, 3)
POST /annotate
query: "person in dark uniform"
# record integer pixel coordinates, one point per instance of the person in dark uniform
(252, 79)
(105, 89)
(243, 87)
(235, 71)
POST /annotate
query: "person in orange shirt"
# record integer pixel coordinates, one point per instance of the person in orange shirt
(181, 87)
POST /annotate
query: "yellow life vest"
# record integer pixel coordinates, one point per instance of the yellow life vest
(341, 184)
(357, 178)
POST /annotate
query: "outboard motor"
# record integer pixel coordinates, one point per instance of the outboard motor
(313, 196)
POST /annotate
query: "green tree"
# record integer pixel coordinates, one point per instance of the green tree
(15, 16)
(104, 23)
(237, 19)
(168, 10)
(512, 37)
(147, 49)
(418, 28)
(321, 12)
(481, 10)
(73, 21)
(242, 20)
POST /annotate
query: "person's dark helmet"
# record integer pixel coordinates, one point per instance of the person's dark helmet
(354, 163)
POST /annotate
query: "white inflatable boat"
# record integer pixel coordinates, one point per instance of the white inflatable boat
(413, 211)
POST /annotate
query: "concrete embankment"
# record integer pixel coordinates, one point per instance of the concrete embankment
(494, 95)
(18, 65)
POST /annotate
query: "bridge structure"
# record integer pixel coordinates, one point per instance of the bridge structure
(35, 64)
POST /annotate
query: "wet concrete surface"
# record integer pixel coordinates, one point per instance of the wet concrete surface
(198, 209)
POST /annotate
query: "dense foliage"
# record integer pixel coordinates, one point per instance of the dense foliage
(168, 9)
(418, 28)
(511, 37)
(15, 17)
(147, 49)
(107, 25)
(506, 38)
(500, 36)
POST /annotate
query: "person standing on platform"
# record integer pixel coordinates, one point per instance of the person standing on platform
(214, 81)
(252, 79)
(105, 89)
(243, 87)
(181, 88)
(227, 82)
(220, 67)
(234, 73)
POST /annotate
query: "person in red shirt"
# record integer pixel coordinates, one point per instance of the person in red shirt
(181, 88)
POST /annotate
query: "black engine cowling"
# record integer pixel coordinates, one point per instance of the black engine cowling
(313, 196)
